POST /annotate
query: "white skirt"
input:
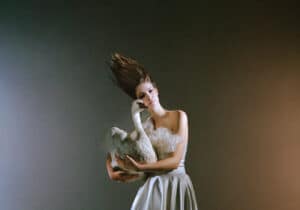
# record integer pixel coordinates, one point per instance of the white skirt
(168, 191)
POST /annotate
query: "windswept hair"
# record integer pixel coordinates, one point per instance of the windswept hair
(128, 73)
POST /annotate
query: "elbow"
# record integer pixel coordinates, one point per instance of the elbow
(111, 174)
(109, 168)
(175, 164)
(112, 177)
(173, 167)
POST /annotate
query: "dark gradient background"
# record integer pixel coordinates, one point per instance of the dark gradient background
(234, 70)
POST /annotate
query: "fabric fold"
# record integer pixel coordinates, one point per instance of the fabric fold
(170, 191)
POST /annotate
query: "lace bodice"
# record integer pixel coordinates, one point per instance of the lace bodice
(163, 140)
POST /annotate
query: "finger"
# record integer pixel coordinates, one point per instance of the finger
(134, 163)
(129, 177)
(118, 157)
(131, 159)
(120, 163)
(121, 172)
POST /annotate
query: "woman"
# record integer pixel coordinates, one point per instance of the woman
(167, 186)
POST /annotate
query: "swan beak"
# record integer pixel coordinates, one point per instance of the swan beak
(141, 105)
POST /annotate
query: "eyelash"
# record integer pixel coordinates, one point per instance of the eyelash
(142, 96)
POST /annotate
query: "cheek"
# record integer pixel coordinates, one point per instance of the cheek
(145, 101)
(155, 95)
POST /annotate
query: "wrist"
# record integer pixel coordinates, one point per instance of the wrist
(143, 167)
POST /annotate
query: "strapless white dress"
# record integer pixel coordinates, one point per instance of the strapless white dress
(169, 190)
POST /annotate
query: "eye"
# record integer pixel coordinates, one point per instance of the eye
(142, 96)
(150, 91)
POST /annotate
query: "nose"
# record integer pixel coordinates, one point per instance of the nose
(147, 97)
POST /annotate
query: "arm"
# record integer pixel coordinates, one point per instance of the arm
(117, 175)
(173, 161)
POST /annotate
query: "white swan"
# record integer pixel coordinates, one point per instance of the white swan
(136, 144)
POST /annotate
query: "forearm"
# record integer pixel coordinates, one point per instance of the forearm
(167, 164)
(108, 166)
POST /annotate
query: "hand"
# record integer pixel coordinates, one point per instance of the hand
(141, 104)
(118, 175)
(138, 166)
(124, 163)
(122, 176)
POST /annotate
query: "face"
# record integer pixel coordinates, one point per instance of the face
(148, 93)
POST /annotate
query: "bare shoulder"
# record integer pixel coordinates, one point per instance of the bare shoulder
(182, 123)
(181, 120)
(179, 115)
(182, 115)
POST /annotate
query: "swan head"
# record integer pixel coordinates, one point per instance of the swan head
(137, 106)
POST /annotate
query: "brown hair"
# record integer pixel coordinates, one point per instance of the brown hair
(128, 74)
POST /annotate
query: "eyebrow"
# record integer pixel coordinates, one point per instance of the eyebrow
(140, 93)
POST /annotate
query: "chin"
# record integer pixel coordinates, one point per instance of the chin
(152, 105)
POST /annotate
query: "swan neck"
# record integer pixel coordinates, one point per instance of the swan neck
(137, 122)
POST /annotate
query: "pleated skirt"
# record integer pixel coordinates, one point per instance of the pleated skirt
(168, 191)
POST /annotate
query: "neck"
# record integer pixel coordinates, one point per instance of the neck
(157, 112)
